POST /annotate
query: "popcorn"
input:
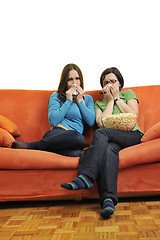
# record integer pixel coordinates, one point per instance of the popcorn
(120, 121)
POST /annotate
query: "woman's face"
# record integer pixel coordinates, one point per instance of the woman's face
(110, 79)
(73, 78)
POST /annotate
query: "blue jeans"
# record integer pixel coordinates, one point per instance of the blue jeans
(100, 161)
(57, 140)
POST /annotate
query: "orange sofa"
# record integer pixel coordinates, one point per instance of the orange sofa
(30, 174)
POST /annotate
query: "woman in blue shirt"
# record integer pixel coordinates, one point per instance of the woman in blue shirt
(68, 109)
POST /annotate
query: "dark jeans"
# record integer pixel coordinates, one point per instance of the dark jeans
(100, 161)
(57, 140)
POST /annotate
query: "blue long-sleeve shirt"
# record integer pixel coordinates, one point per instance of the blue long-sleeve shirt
(69, 114)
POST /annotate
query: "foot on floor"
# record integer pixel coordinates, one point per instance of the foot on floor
(108, 208)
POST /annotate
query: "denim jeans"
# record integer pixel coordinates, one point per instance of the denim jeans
(57, 140)
(100, 161)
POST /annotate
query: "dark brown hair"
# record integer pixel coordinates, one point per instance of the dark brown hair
(62, 88)
(115, 71)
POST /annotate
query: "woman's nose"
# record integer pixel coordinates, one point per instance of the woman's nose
(74, 81)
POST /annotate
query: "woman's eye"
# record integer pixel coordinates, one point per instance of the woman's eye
(71, 79)
(104, 83)
(113, 81)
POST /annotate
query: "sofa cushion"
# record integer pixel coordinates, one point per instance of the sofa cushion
(147, 152)
(152, 133)
(9, 126)
(6, 139)
(35, 159)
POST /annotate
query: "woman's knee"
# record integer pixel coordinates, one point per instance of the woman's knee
(99, 131)
(102, 132)
(113, 147)
(78, 138)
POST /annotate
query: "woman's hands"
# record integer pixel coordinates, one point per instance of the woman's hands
(75, 98)
(78, 98)
(69, 92)
(111, 91)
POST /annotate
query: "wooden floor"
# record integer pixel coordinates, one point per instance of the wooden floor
(67, 220)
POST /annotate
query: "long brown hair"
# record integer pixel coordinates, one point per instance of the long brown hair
(62, 88)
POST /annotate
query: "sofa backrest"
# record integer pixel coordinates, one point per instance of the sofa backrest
(149, 105)
(28, 109)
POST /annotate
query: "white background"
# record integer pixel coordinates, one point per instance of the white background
(39, 37)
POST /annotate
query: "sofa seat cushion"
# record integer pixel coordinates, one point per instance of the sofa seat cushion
(35, 159)
(142, 153)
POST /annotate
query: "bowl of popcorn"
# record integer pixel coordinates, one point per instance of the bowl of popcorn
(120, 121)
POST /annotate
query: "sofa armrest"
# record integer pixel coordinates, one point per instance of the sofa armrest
(152, 133)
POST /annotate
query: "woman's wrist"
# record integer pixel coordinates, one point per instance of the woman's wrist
(69, 96)
(68, 100)
(116, 100)
(111, 101)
